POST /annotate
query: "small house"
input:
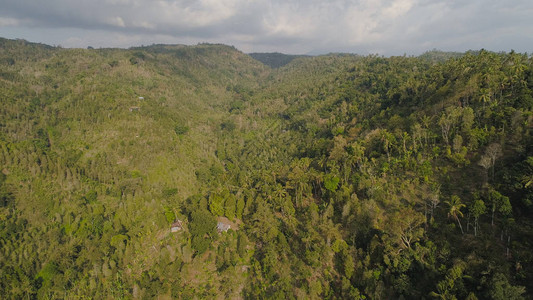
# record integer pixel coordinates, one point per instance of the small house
(223, 227)
(224, 224)
(176, 226)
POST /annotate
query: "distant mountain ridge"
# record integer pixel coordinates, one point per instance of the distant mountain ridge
(440, 56)
(275, 59)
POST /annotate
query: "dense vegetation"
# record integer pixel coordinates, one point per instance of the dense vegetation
(275, 60)
(343, 176)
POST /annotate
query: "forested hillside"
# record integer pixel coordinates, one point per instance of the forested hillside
(340, 176)
(274, 60)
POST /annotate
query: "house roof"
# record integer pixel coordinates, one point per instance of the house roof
(177, 223)
(223, 224)
(223, 227)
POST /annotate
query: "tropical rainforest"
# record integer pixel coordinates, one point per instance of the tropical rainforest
(341, 176)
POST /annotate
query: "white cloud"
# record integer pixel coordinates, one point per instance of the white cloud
(286, 21)
(9, 22)
(398, 8)
(196, 14)
(146, 25)
(117, 21)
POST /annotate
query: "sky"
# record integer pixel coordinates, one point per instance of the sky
(385, 27)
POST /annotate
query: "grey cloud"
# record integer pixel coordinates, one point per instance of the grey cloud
(388, 26)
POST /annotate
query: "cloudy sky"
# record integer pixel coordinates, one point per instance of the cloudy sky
(386, 27)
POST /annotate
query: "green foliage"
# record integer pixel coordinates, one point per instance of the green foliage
(118, 241)
(242, 244)
(170, 216)
(91, 196)
(181, 129)
(202, 229)
(47, 273)
(167, 193)
(216, 204)
(331, 182)
(239, 209)
(230, 207)
(500, 289)
(447, 287)
(274, 60)
(344, 176)
(478, 208)
(228, 125)
(348, 264)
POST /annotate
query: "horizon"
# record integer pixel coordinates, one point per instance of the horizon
(272, 52)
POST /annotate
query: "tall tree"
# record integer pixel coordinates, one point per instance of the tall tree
(454, 211)
(478, 208)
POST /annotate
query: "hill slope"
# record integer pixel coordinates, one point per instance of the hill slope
(88, 160)
(341, 176)
(275, 60)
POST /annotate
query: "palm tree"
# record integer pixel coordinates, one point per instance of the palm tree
(455, 209)
(426, 122)
(388, 141)
(485, 96)
(280, 194)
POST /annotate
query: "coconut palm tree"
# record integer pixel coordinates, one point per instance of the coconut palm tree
(455, 209)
